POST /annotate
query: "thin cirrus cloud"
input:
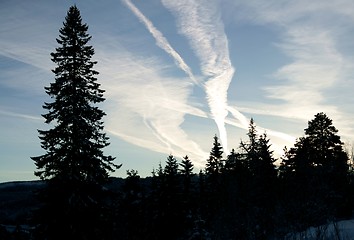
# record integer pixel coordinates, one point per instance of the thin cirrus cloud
(310, 35)
(316, 66)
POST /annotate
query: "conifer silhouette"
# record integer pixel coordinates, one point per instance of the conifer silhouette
(74, 164)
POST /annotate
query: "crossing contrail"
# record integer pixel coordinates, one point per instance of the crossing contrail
(161, 41)
(200, 23)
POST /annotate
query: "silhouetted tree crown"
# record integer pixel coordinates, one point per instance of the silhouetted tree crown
(320, 148)
(187, 166)
(250, 148)
(74, 145)
(214, 163)
(233, 161)
(187, 172)
(171, 168)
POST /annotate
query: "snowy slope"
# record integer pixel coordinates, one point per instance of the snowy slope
(342, 230)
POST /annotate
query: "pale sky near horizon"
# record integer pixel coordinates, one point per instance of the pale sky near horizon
(178, 72)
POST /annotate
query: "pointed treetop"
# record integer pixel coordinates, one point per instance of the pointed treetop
(252, 132)
(187, 166)
(216, 150)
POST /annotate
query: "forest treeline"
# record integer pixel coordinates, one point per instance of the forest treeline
(244, 195)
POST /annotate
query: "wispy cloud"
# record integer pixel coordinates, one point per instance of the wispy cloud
(316, 66)
(200, 22)
(26, 40)
(310, 35)
(26, 36)
(145, 108)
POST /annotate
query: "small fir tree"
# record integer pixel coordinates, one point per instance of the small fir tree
(266, 168)
(250, 148)
(187, 172)
(171, 168)
(171, 177)
(187, 167)
(214, 163)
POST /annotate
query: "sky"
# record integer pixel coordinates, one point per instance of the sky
(178, 72)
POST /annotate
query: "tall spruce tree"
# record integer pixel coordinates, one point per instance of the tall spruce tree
(74, 145)
(74, 164)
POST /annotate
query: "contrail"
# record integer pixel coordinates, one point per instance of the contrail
(161, 41)
(20, 115)
(201, 23)
(216, 89)
(158, 129)
(240, 117)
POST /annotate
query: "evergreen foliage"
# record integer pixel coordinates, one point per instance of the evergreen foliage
(74, 145)
(316, 169)
(214, 163)
(187, 167)
(74, 163)
(171, 168)
(320, 149)
(187, 173)
(249, 199)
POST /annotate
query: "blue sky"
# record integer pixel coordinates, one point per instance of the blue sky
(178, 72)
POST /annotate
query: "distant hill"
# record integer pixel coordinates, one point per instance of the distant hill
(17, 200)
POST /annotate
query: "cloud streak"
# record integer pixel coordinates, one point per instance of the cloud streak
(161, 41)
(200, 23)
(20, 115)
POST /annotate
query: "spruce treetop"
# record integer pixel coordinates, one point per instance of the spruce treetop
(214, 163)
(187, 166)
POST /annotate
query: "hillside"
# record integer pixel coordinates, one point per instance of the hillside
(17, 200)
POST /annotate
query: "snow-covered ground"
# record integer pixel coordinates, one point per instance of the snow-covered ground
(342, 230)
